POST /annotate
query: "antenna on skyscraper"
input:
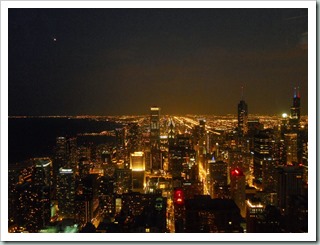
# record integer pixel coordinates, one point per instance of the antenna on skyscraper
(295, 92)
(298, 92)
(241, 92)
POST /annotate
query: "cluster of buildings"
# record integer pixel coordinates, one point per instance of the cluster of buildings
(169, 174)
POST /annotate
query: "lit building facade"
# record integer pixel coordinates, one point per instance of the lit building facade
(291, 148)
(137, 161)
(254, 208)
(242, 118)
(155, 127)
(155, 138)
(218, 187)
(295, 111)
(66, 192)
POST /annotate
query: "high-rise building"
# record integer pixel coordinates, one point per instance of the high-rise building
(242, 117)
(42, 187)
(218, 187)
(290, 185)
(203, 214)
(66, 192)
(65, 156)
(155, 127)
(123, 180)
(133, 137)
(238, 189)
(253, 210)
(179, 210)
(42, 172)
(171, 132)
(155, 138)
(106, 195)
(138, 166)
(291, 148)
(295, 111)
(137, 161)
(88, 201)
(262, 147)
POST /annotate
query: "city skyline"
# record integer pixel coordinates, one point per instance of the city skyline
(153, 117)
(186, 61)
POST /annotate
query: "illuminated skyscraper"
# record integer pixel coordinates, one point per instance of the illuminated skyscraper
(42, 188)
(171, 132)
(242, 117)
(254, 209)
(137, 161)
(155, 138)
(290, 142)
(123, 178)
(66, 192)
(218, 179)
(261, 154)
(65, 156)
(137, 164)
(155, 127)
(295, 110)
(43, 172)
(238, 189)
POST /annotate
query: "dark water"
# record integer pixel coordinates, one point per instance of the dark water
(36, 137)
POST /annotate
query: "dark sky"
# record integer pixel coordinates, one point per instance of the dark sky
(122, 61)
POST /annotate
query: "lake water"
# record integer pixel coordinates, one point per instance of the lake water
(36, 137)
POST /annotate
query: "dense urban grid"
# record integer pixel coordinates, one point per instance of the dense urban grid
(162, 173)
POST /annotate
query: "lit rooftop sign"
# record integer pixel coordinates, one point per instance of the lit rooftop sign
(254, 205)
(137, 154)
(65, 170)
(42, 163)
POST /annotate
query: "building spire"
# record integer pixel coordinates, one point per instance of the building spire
(295, 92)
(298, 92)
(241, 92)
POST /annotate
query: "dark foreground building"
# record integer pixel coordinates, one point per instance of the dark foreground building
(204, 214)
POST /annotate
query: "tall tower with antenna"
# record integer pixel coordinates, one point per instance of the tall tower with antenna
(242, 116)
(295, 110)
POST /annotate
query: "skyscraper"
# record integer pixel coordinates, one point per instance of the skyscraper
(238, 189)
(264, 161)
(43, 172)
(155, 127)
(295, 110)
(290, 185)
(290, 141)
(218, 179)
(171, 132)
(242, 117)
(137, 161)
(155, 137)
(66, 193)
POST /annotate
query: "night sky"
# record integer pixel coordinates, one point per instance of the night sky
(187, 61)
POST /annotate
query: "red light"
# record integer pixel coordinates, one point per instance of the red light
(178, 197)
(236, 172)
